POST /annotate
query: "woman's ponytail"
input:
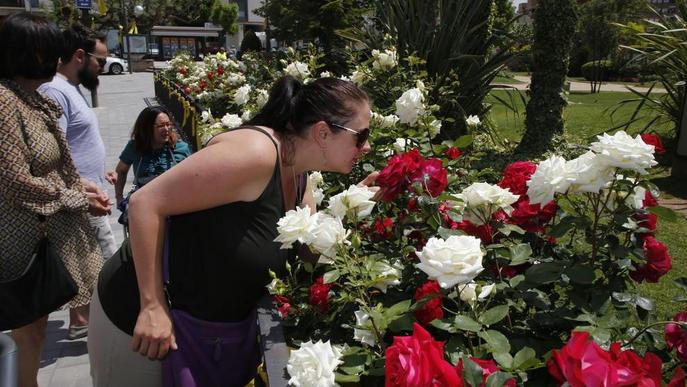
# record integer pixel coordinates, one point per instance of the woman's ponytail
(278, 110)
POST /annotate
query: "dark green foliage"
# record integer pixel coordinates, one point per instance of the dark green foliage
(250, 42)
(225, 15)
(554, 27)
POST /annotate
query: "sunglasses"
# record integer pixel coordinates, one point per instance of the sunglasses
(361, 136)
(101, 61)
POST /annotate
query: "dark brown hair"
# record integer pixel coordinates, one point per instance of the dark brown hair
(293, 106)
(79, 37)
(144, 127)
(29, 47)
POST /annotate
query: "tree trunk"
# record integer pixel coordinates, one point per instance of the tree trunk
(554, 27)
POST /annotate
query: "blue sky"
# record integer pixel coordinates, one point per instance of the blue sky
(516, 2)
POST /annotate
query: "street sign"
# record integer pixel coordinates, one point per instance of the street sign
(84, 4)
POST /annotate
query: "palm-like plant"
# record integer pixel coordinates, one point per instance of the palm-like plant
(663, 47)
(459, 45)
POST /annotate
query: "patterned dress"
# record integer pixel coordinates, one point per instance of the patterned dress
(37, 176)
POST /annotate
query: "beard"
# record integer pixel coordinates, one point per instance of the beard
(89, 80)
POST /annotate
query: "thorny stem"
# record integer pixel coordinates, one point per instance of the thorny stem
(646, 328)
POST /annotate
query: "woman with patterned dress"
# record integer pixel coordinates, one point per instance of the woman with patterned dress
(38, 178)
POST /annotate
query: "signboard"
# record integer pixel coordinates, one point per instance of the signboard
(84, 4)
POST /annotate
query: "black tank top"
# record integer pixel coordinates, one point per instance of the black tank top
(219, 260)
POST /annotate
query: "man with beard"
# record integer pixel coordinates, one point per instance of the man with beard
(81, 61)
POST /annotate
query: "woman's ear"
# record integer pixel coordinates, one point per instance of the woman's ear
(319, 132)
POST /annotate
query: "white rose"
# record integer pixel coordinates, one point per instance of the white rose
(313, 364)
(551, 177)
(365, 334)
(235, 79)
(298, 70)
(325, 74)
(590, 173)
(622, 151)
(328, 233)
(242, 95)
(434, 128)
(318, 195)
(384, 60)
(384, 122)
(316, 178)
(261, 99)
(246, 116)
(400, 145)
(358, 77)
(354, 198)
(483, 199)
(386, 275)
(473, 121)
(410, 106)
(272, 286)
(206, 116)
(468, 293)
(231, 120)
(454, 261)
(296, 225)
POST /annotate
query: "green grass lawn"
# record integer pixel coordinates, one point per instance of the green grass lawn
(499, 80)
(586, 116)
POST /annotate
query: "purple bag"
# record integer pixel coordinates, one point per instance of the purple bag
(209, 353)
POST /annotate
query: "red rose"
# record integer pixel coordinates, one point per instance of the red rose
(283, 305)
(649, 200)
(582, 362)
(655, 140)
(453, 153)
(383, 227)
(658, 261)
(210, 75)
(415, 361)
(432, 175)
(647, 221)
(182, 70)
(319, 295)
(676, 336)
(532, 217)
(412, 204)
(202, 84)
(483, 232)
(393, 179)
(488, 367)
(678, 379)
(220, 70)
(432, 309)
(516, 175)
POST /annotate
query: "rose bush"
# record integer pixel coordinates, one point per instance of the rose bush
(457, 275)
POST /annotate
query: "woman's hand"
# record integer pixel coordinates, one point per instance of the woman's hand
(153, 334)
(369, 182)
(98, 204)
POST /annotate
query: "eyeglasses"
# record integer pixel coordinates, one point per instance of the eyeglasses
(164, 125)
(102, 61)
(361, 136)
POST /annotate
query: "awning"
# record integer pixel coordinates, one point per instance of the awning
(185, 31)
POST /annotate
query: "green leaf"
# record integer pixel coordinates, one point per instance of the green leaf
(403, 324)
(664, 213)
(496, 341)
(465, 323)
(341, 378)
(581, 274)
(524, 357)
(356, 370)
(472, 372)
(504, 359)
(398, 309)
(681, 283)
(445, 233)
(566, 224)
(443, 325)
(507, 229)
(331, 276)
(463, 141)
(498, 379)
(520, 253)
(544, 273)
(376, 372)
(494, 315)
(644, 303)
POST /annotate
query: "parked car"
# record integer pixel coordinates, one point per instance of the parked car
(115, 65)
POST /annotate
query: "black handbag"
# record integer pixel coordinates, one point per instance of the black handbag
(44, 286)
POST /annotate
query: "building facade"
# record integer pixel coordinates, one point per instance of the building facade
(526, 11)
(247, 20)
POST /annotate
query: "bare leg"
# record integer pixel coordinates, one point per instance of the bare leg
(30, 339)
(78, 316)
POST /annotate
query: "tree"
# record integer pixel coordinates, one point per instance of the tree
(316, 21)
(250, 42)
(225, 15)
(503, 14)
(554, 27)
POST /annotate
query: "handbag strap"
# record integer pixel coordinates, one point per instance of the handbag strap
(165, 261)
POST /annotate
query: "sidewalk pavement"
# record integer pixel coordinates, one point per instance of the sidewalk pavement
(64, 362)
(582, 87)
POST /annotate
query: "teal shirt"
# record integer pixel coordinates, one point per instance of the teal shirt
(156, 162)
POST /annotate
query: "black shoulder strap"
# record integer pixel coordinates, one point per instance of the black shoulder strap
(259, 129)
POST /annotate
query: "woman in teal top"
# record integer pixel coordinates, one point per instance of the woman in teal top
(154, 148)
